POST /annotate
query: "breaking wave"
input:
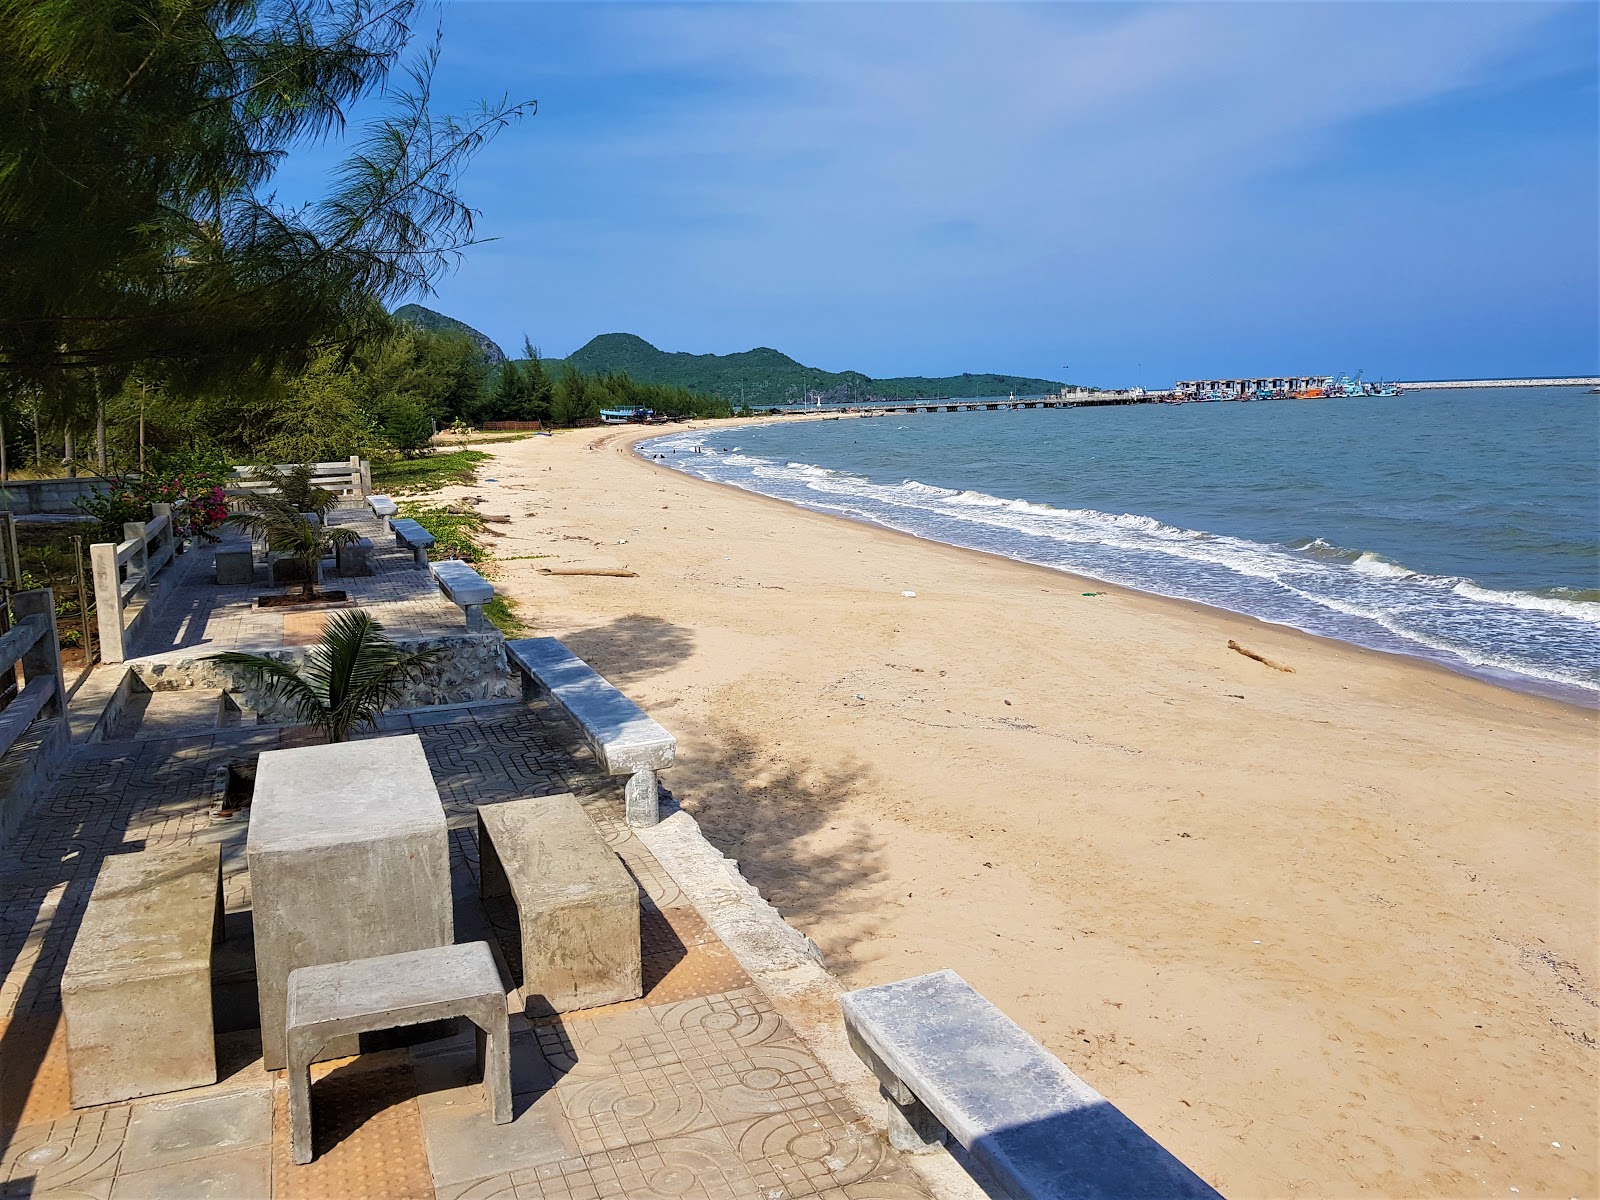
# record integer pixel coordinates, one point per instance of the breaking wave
(1311, 584)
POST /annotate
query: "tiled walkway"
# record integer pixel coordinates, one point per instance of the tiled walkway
(195, 615)
(699, 1089)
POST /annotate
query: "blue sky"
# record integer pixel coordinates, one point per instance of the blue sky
(1136, 193)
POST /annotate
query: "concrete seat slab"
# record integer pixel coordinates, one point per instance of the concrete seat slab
(334, 1000)
(382, 506)
(576, 903)
(625, 737)
(136, 992)
(939, 1048)
(461, 583)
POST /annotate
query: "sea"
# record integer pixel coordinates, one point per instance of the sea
(1460, 526)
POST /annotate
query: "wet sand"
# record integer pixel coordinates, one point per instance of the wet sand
(1329, 931)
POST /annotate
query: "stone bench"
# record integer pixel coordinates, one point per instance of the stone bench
(413, 537)
(340, 1000)
(948, 1061)
(353, 558)
(576, 903)
(464, 586)
(382, 507)
(235, 563)
(624, 739)
(136, 992)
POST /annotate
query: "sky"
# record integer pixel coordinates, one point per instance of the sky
(1109, 194)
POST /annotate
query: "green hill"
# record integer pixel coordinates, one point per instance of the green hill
(766, 376)
(437, 322)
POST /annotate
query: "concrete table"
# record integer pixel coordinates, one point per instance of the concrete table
(349, 859)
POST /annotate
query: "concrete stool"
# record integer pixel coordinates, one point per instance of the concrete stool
(353, 558)
(236, 564)
(417, 986)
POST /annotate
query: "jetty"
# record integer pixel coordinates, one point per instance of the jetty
(1561, 381)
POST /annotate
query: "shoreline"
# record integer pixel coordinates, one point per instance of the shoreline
(1517, 683)
(1313, 930)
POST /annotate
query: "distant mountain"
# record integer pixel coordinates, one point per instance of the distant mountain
(437, 322)
(766, 376)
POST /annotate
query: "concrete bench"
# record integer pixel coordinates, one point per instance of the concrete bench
(382, 507)
(236, 564)
(354, 558)
(413, 537)
(623, 738)
(948, 1061)
(136, 992)
(464, 586)
(576, 903)
(338, 1000)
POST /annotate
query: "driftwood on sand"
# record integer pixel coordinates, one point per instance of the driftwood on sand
(615, 572)
(1260, 658)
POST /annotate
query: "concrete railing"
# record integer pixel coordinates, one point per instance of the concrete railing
(351, 476)
(125, 590)
(32, 723)
(33, 642)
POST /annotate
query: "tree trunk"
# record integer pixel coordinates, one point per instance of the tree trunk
(144, 390)
(72, 462)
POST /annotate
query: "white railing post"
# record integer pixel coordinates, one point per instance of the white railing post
(43, 658)
(108, 601)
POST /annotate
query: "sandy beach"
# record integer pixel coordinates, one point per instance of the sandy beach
(1323, 931)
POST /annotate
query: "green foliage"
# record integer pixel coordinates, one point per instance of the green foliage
(280, 524)
(455, 529)
(437, 322)
(765, 376)
(138, 224)
(195, 476)
(572, 402)
(350, 677)
(422, 474)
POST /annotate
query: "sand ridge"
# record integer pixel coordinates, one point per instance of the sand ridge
(1325, 931)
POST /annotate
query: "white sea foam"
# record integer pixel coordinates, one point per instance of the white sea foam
(1581, 610)
(1314, 584)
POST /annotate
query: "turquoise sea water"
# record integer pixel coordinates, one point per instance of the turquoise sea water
(1460, 525)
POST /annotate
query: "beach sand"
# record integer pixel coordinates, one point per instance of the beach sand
(1323, 932)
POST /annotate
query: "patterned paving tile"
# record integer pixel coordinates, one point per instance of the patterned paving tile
(34, 1086)
(379, 1157)
(702, 1166)
(74, 1152)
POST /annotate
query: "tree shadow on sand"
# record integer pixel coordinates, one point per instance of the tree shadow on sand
(790, 828)
(631, 648)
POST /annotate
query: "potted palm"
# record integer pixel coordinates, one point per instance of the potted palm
(349, 678)
(287, 531)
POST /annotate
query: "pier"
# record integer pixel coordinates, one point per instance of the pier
(1563, 381)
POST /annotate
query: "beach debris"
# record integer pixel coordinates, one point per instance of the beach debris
(613, 572)
(1091, 593)
(622, 541)
(1260, 658)
(909, 595)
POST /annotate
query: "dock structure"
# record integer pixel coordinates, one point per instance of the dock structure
(1076, 400)
(1286, 384)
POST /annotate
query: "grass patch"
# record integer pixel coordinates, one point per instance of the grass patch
(502, 611)
(424, 474)
(455, 529)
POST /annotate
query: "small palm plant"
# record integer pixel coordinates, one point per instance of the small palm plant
(286, 530)
(293, 485)
(349, 677)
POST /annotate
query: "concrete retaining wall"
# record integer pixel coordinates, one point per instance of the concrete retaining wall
(474, 667)
(31, 496)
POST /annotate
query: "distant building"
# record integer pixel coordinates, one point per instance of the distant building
(624, 416)
(1247, 387)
